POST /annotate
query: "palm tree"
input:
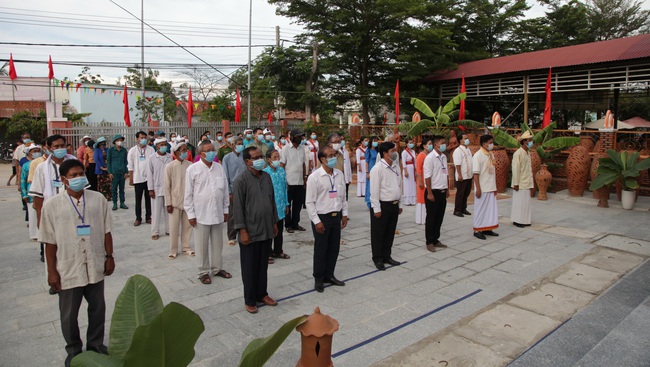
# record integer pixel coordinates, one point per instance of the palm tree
(4, 70)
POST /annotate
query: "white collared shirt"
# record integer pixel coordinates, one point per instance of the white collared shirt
(137, 164)
(435, 167)
(463, 158)
(156, 172)
(206, 193)
(318, 200)
(294, 160)
(483, 165)
(385, 184)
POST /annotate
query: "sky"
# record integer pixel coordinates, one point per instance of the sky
(188, 22)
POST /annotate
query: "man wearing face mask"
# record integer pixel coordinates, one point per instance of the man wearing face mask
(174, 182)
(249, 139)
(233, 165)
(259, 142)
(463, 174)
(294, 160)
(155, 184)
(334, 142)
(137, 159)
(328, 211)
(486, 212)
(386, 204)
(522, 182)
(76, 228)
(116, 167)
(219, 142)
(227, 147)
(269, 139)
(435, 178)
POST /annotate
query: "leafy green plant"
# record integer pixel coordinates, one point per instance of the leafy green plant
(439, 121)
(258, 352)
(620, 167)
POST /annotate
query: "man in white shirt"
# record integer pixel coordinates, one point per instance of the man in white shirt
(386, 204)
(486, 212)
(347, 167)
(522, 182)
(156, 183)
(293, 160)
(328, 212)
(137, 159)
(463, 176)
(206, 203)
(174, 200)
(435, 199)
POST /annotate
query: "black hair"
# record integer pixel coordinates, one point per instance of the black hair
(151, 133)
(256, 129)
(437, 138)
(206, 132)
(486, 138)
(140, 132)
(90, 143)
(69, 164)
(247, 152)
(270, 153)
(385, 147)
(52, 138)
(218, 132)
(321, 152)
(227, 134)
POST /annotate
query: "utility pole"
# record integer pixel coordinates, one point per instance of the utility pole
(250, 44)
(311, 83)
(142, 57)
(277, 36)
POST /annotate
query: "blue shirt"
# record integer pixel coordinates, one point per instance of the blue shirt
(279, 179)
(233, 166)
(371, 158)
(100, 159)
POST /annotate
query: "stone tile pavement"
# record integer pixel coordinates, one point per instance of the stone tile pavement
(370, 304)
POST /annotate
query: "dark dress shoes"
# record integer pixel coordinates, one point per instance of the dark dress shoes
(466, 212)
(299, 228)
(458, 214)
(319, 287)
(519, 225)
(380, 265)
(491, 233)
(392, 261)
(479, 235)
(334, 281)
(440, 244)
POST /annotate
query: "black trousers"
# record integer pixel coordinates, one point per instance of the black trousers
(296, 196)
(278, 240)
(463, 188)
(435, 215)
(91, 176)
(254, 259)
(382, 231)
(326, 246)
(347, 188)
(140, 190)
(69, 304)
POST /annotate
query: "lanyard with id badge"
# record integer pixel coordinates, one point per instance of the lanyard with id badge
(83, 229)
(56, 183)
(142, 156)
(333, 193)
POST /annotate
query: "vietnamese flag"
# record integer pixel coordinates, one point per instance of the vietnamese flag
(12, 68)
(238, 107)
(270, 117)
(125, 100)
(190, 109)
(50, 75)
(547, 108)
(461, 113)
(397, 103)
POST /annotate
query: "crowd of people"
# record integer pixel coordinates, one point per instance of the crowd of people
(253, 186)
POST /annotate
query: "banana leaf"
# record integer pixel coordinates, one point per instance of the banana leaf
(422, 107)
(443, 120)
(467, 123)
(138, 304)
(504, 139)
(561, 142)
(630, 184)
(542, 134)
(616, 157)
(420, 128)
(259, 351)
(603, 179)
(643, 165)
(525, 127)
(93, 359)
(632, 159)
(404, 127)
(451, 105)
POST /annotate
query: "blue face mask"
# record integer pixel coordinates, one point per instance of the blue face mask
(163, 149)
(78, 183)
(466, 142)
(375, 144)
(272, 137)
(530, 144)
(184, 156)
(219, 138)
(209, 156)
(276, 164)
(331, 162)
(36, 155)
(342, 144)
(443, 147)
(302, 142)
(249, 136)
(283, 141)
(365, 143)
(411, 145)
(239, 148)
(260, 137)
(208, 136)
(27, 141)
(313, 137)
(430, 147)
(60, 153)
(259, 164)
(143, 142)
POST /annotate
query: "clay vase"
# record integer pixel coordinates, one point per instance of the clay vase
(502, 168)
(587, 142)
(535, 163)
(577, 169)
(598, 147)
(543, 179)
(601, 194)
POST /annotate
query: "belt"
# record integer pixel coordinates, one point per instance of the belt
(440, 190)
(331, 214)
(394, 202)
(411, 162)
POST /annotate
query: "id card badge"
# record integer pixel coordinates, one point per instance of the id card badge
(333, 194)
(142, 158)
(444, 170)
(57, 183)
(83, 230)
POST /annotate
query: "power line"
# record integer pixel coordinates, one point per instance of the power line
(127, 46)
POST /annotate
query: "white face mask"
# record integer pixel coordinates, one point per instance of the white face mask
(119, 143)
(490, 146)
(336, 146)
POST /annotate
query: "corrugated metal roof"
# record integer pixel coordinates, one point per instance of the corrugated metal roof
(628, 48)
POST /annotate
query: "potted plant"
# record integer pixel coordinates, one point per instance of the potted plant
(623, 168)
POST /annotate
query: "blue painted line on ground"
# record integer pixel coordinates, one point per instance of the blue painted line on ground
(390, 331)
(541, 340)
(329, 285)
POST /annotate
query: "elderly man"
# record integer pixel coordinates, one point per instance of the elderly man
(174, 183)
(137, 159)
(486, 212)
(233, 165)
(522, 182)
(206, 203)
(463, 175)
(156, 183)
(255, 219)
(328, 211)
(294, 161)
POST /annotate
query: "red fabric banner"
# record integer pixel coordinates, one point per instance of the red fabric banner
(461, 113)
(125, 100)
(50, 74)
(547, 108)
(238, 107)
(397, 103)
(12, 68)
(190, 109)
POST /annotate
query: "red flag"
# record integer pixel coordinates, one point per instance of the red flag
(270, 117)
(397, 103)
(12, 68)
(125, 100)
(461, 113)
(238, 107)
(190, 109)
(547, 108)
(50, 75)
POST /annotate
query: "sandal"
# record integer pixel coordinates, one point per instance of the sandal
(189, 253)
(224, 274)
(281, 256)
(205, 279)
(171, 256)
(271, 261)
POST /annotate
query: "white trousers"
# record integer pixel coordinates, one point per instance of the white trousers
(521, 211)
(158, 213)
(420, 213)
(33, 221)
(178, 221)
(208, 242)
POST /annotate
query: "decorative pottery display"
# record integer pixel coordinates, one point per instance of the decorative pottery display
(502, 168)
(577, 169)
(601, 194)
(587, 142)
(535, 162)
(543, 179)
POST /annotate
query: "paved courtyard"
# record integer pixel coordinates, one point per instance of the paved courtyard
(380, 313)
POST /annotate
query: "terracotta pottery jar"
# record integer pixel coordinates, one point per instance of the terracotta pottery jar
(535, 162)
(502, 168)
(601, 194)
(577, 169)
(587, 142)
(543, 179)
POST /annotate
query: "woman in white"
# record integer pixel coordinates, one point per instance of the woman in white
(408, 168)
(361, 167)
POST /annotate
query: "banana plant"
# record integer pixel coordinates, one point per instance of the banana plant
(619, 166)
(546, 145)
(438, 122)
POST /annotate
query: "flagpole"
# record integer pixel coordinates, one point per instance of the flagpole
(250, 37)
(142, 55)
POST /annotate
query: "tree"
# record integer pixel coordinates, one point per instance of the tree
(612, 19)
(152, 107)
(223, 108)
(205, 85)
(86, 77)
(25, 121)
